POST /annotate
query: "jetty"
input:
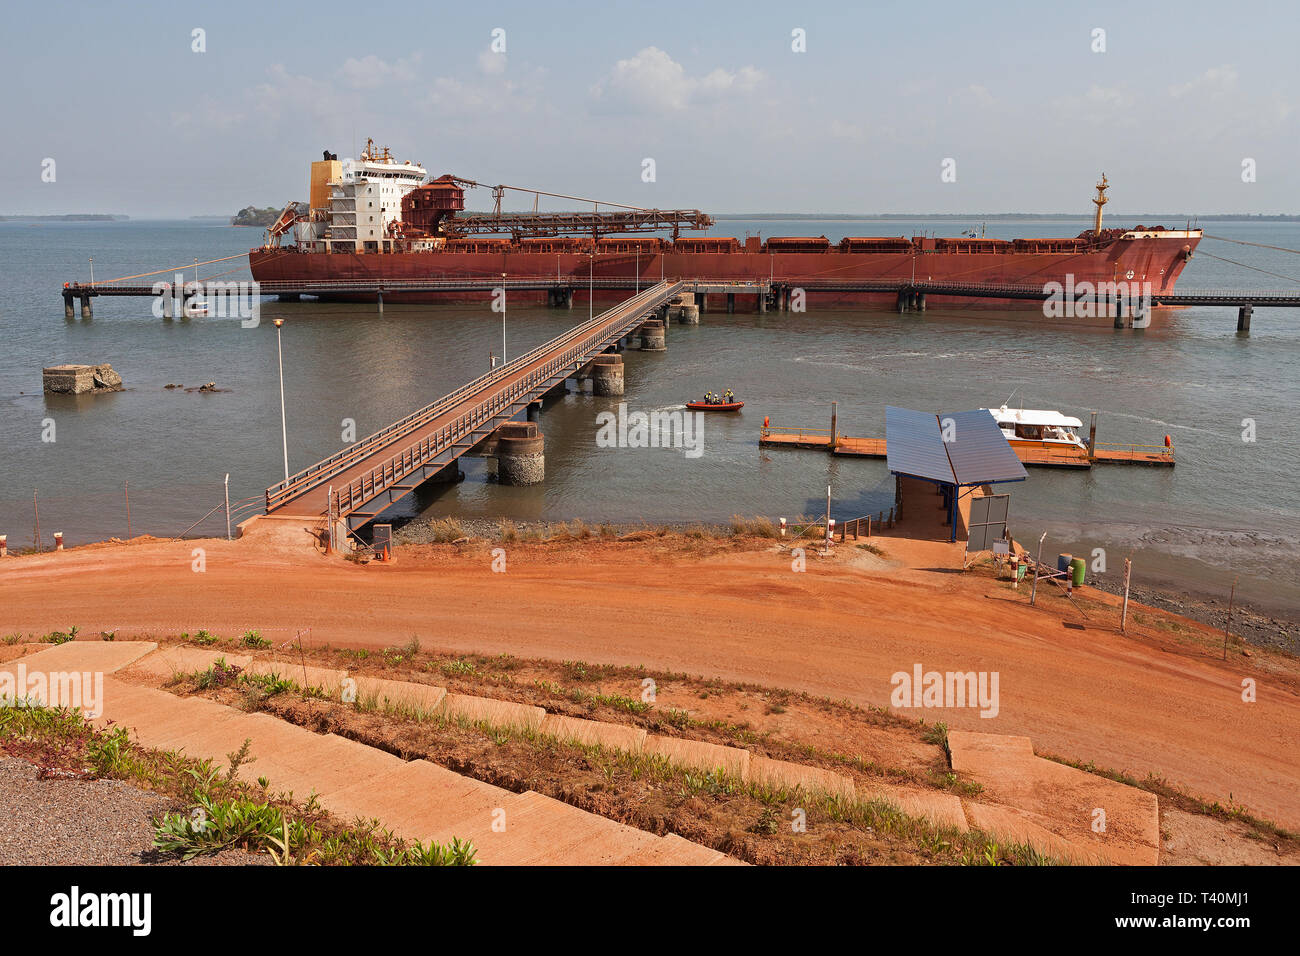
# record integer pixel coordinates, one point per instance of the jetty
(1098, 453)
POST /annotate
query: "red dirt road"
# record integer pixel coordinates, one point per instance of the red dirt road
(1150, 702)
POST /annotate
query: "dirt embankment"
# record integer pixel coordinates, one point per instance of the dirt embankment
(1158, 700)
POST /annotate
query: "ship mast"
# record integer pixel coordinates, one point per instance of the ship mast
(1100, 201)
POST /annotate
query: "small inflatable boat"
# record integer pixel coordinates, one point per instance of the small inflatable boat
(715, 406)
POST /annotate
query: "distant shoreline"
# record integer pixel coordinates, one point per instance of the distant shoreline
(806, 216)
(69, 217)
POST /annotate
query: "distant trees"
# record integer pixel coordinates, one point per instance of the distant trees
(252, 216)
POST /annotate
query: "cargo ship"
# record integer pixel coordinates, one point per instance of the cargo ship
(374, 218)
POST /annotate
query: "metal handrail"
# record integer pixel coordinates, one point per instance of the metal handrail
(1134, 447)
(415, 455)
(312, 476)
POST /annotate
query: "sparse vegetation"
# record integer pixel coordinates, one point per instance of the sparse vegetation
(214, 810)
(445, 530)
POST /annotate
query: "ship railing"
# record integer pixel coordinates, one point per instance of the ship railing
(318, 473)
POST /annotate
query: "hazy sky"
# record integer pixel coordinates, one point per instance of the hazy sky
(734, 119)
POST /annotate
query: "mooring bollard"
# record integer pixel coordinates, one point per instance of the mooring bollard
(58, 541)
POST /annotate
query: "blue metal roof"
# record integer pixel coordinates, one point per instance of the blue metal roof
(977, 453)
(914, 445)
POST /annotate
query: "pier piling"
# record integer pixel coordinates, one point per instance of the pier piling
(652, 337)
(68, 313)
(1243, 318)
(86, 312)
(607, 375)
(520, 454)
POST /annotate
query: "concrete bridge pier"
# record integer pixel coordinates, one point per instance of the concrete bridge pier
(762, 302)
(920, 301)
(169, 304)
(1243, 318)
(903, 300)
(86, 312)
(690, 315)
(535, 411)
(68, 313)
(731, 302)
(652, 337)
(607, 375)
(520, 454)
(703, 300)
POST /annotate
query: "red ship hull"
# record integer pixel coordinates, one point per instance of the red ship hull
(1151, 257)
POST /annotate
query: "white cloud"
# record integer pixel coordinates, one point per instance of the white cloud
(1216, 81)
(653, 82)
(370, 72)
(491, 63)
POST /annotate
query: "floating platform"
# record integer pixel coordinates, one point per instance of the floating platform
(1156, 456)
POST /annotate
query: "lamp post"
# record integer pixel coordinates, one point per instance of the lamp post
(591, 285)
(503, 320)
(284, 429)
(92, 270)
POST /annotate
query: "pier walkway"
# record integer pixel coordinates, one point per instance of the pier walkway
(772, 292)
(777, 436)
(358, 483)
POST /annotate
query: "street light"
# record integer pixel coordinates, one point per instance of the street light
(92, 270)
(284, 430)
(591, 284)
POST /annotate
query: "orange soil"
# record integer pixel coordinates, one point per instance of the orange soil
(1146, 702)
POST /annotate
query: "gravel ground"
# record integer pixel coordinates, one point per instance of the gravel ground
(84, 823)
(1251, 626)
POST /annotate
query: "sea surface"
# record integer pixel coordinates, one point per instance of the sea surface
(1229, 510)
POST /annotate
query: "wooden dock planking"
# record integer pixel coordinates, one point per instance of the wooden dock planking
(1114, 456)
(1034, 457)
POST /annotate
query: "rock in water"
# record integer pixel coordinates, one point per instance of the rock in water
(106, 379)
(79, 379)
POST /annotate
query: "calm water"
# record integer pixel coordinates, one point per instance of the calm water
(1229, 508)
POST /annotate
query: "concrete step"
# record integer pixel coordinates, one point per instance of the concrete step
(497, 713)
(782, 774)
(1057, 809)
(594, 733)
(168, 662)
(699, 755)
(400, 695)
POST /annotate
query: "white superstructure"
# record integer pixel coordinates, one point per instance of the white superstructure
(367, 197)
